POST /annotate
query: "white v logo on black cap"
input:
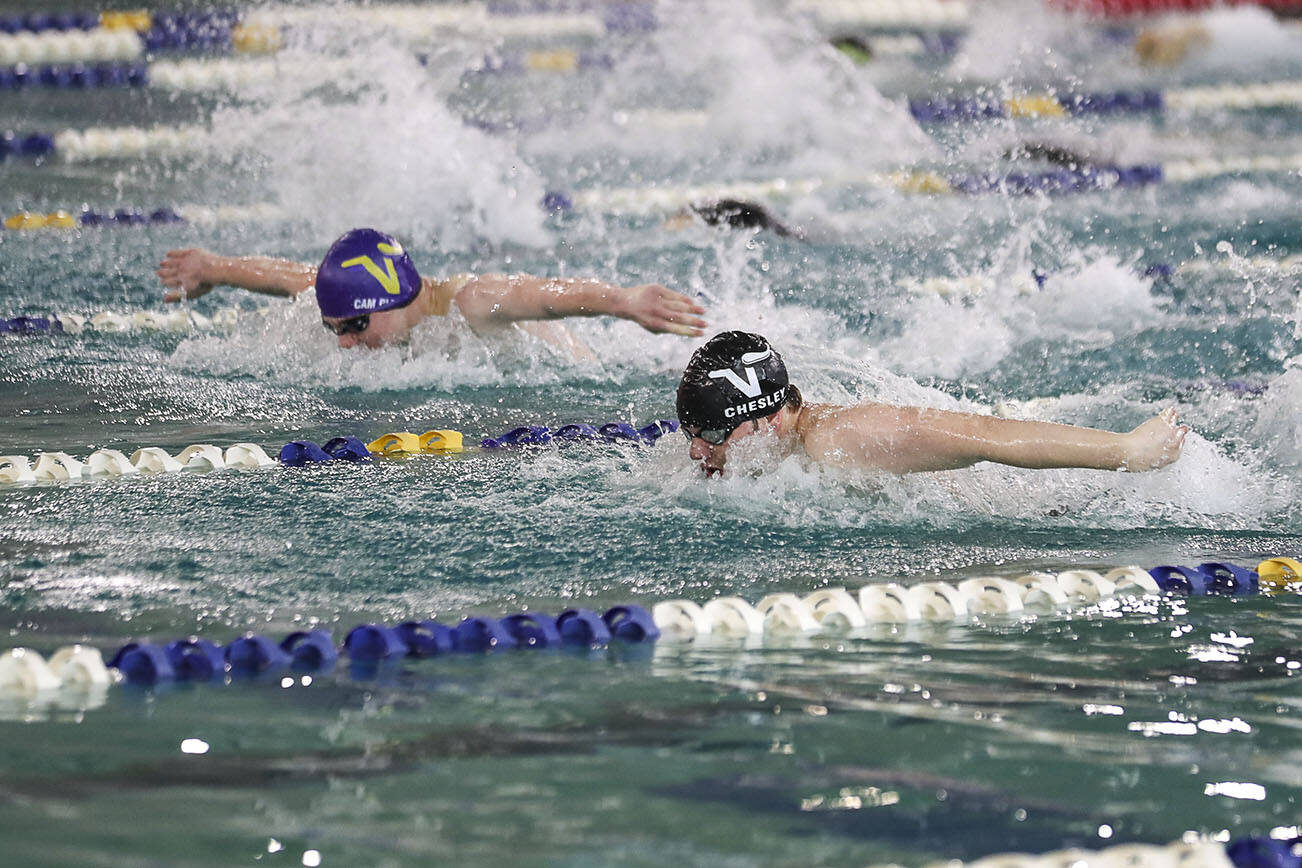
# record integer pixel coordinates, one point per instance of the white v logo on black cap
(750, 387)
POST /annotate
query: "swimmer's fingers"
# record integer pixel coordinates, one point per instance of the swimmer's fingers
(684, 330)
(688, 327)
(678, 308)
(678, 324)
(663, 311)
(678, 301)
(182, 271)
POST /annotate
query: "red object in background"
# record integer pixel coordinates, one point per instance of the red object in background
(1151, 7)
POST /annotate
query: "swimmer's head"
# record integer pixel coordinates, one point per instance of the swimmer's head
(735, 377)
(730, 214)
(365, 272)
(734, 387)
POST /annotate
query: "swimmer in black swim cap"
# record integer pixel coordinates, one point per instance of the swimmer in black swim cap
(370, 294)
(736, 386)
(735, 379)
(733, 214)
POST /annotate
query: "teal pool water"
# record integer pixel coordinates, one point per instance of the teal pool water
(1106, 724)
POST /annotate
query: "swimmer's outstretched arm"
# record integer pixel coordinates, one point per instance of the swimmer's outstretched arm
(911, 439)
(193, 272)
(495, 299)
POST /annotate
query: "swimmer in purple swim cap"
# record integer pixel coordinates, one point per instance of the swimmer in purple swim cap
(736, 386)
(370, 293)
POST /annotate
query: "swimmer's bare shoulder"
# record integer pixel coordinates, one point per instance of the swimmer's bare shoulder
(862, 435)
(441, 292)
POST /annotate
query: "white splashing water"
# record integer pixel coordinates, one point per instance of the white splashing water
(390, 154)
(1098, 302)
(1244, 38)
(768, 89)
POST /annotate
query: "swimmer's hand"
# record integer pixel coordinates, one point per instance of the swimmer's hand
(186, 271)
(660, 310)
(1156, 443)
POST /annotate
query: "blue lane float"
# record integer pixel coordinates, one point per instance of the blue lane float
(427, 638)
(253, 653)
(619, 17)
(75, 76)
(130, 217)
(192, 31)
(31, 325)
(611, 432)
(374, 642)
(300, 453)
(1260, 851)
(33, 145)
(482, 634)
(310, 650)
(196, 659)
(583, 627)
(1037, 105)
(142, 663)
(532, 629)
(1206, 579)
(42, 22)
(1059, 181)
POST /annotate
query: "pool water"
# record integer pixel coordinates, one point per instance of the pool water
(1133, 721)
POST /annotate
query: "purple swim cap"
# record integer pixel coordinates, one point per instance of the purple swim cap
(363, 272)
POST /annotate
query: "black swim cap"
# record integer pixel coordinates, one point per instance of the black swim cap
(733, 378)
(739, 214)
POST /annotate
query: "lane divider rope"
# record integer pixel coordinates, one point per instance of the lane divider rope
(497, 17)
(100, 44)
(474, 20)
(226, 74)
(44, 38)
(612, 432)
(663, 199)
(1276, 94)
(976, 285)
(55, 466)
(1275, 850)
(175, 320)
(643, 200)
(895, 603)
(25, 674)
(200, 215)
(885, 13)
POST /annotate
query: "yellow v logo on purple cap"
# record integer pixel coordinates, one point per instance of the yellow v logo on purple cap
(388, 278)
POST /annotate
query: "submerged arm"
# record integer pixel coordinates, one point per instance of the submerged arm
(496, 299)
(194, 272)
(911, 439)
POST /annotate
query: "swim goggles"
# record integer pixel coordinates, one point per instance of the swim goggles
(353, 326)
(713, 436)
